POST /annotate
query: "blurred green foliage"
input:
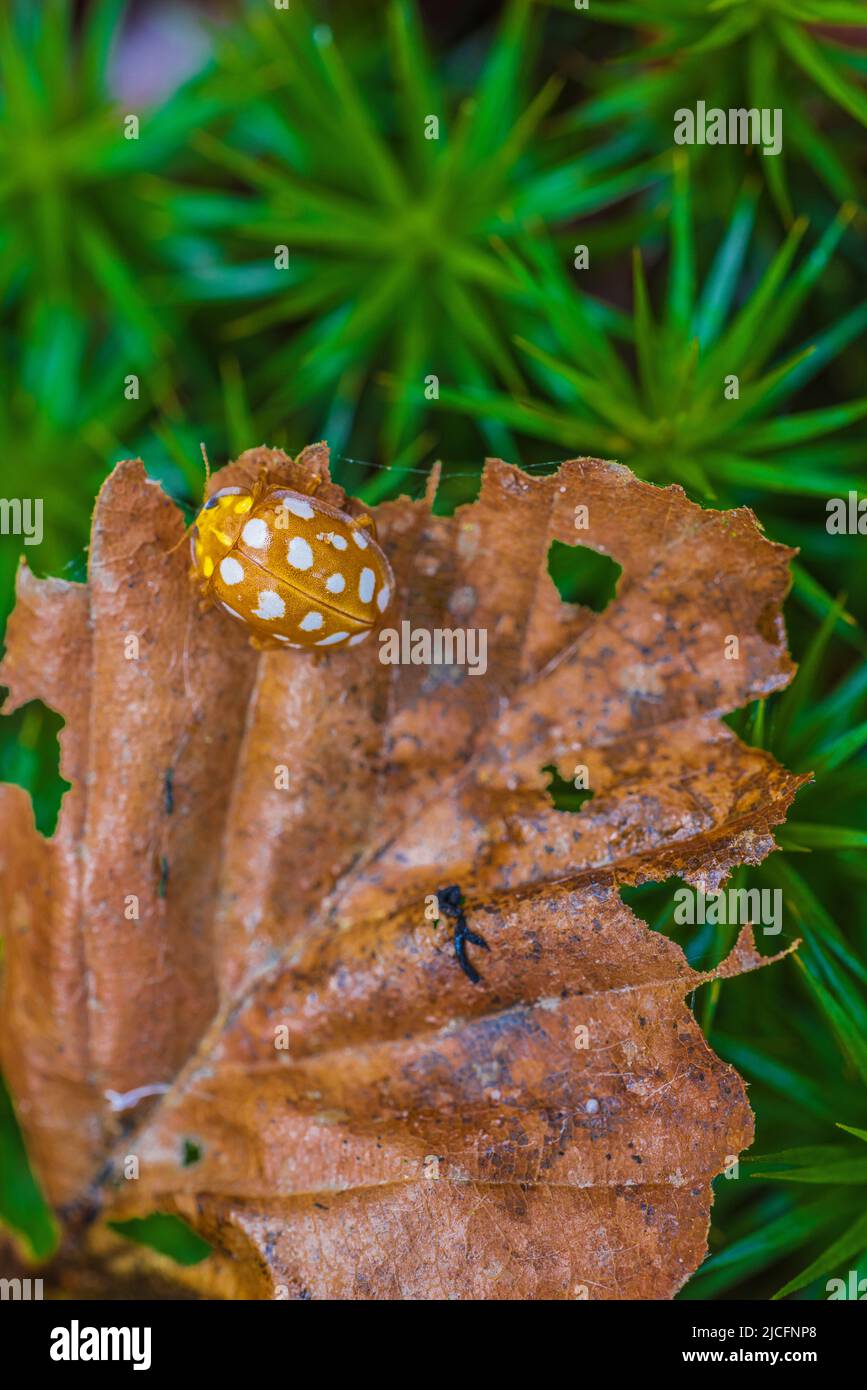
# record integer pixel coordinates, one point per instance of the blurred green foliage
(387, 197)
(147, 305)
(756, 53)
(166, 1233)
(23, 1209)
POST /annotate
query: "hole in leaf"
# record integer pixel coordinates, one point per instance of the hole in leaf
(191, 1153)
(167, 1234)
(22, 1205)
(455, 490)
(565, 795)
(30, 757)
(582, 575)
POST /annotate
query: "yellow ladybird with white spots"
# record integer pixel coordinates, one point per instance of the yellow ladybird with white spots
(295, 571)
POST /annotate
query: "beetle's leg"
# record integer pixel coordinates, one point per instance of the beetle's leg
(311, 484)
(264, 643)
(261, 484)
(367, 523)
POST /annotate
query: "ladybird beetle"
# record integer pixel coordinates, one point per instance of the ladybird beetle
(295, 571)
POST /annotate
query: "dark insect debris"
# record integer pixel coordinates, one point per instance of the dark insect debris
(451, 904)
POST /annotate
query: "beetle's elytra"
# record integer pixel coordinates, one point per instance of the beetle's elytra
(296, 571)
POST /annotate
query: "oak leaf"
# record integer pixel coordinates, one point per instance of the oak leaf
(230, 975)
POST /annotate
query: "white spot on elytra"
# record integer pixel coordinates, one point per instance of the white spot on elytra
(360, 539)
(298, 507)
(255, 534)
(366, 585)
(335, 583)
(334, 538)
(300, 554)
(329, 641)
(382, 598)
(359, 637)
(271, 605)
(311, 621)
(230, 571)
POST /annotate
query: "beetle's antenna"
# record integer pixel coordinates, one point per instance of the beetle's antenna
(189, 528)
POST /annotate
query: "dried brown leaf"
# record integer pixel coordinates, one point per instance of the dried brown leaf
(421, 1137)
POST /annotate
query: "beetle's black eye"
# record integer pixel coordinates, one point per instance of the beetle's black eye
(211, 503)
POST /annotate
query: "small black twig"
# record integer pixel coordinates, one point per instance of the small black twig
(451, 904)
